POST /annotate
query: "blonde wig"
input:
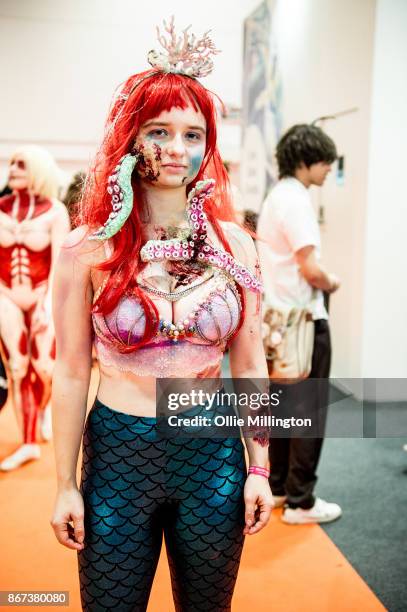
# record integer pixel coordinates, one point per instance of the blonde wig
(43, 175)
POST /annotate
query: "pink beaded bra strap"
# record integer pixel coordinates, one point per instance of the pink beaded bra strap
(197, 246)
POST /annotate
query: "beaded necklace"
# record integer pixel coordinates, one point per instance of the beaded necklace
(173, 296)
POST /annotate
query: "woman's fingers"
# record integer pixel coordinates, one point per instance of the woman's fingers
(263, 519)
(79, 528)
(249, 515)
(66, 534)
(257, 516)
(67, 521)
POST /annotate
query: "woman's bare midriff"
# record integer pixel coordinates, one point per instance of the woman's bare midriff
(139, 395)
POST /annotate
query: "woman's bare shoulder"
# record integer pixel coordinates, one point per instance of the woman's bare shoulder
(240, 241)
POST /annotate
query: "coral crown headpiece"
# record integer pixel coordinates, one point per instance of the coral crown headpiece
(185, 54)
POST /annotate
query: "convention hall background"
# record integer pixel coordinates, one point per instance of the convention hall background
(60, 62)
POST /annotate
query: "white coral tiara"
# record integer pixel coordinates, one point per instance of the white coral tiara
(185, 54)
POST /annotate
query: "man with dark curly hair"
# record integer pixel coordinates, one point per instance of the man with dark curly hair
(293, 277)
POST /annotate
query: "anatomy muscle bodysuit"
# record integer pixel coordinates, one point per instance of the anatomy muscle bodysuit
(28, 237)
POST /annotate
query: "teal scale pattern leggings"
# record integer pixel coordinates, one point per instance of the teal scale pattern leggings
(138, 485)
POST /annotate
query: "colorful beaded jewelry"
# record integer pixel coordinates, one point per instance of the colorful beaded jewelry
(174, 296)
(179, 330)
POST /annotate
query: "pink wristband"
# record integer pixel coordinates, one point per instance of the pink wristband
(260, 471)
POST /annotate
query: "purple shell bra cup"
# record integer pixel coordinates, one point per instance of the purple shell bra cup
(178, 349)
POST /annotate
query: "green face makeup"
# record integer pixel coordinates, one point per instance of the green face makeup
(196, 162)
(193, 168)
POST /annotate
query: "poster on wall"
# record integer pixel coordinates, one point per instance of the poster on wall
(262, 92)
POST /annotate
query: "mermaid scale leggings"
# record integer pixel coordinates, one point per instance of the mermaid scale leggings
(138, 485)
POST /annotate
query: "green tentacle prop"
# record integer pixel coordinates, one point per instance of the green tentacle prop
(120, 189)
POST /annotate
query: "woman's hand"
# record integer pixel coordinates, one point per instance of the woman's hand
(67, 520)
(259, 503)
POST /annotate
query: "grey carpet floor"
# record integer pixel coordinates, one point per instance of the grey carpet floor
(368, 478)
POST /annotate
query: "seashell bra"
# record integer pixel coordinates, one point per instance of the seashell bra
(186, 348)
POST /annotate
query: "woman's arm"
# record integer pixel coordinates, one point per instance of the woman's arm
(72, 300)
(59, 230)
(247, 361)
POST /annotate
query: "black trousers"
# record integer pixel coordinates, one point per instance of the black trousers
(294, 461)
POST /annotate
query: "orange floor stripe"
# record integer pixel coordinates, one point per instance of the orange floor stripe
(283, 568)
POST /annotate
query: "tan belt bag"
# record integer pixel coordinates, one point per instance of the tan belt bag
(288, 339)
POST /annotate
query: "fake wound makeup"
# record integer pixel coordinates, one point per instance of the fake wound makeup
(149, 156)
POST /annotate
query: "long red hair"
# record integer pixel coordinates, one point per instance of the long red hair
(142, 97)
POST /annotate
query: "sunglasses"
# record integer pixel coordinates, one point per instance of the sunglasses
(20, 163)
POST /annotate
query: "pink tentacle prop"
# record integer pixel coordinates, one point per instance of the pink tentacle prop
(197, 246)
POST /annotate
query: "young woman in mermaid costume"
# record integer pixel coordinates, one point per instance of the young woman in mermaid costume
(162, 287)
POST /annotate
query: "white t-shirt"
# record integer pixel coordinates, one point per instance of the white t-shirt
(288, 223)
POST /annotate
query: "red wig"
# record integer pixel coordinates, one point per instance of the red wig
(142, 97)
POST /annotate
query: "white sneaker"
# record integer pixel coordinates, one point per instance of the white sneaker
(321, 512)
(405, 447)
(279, 500)
(26, 452)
